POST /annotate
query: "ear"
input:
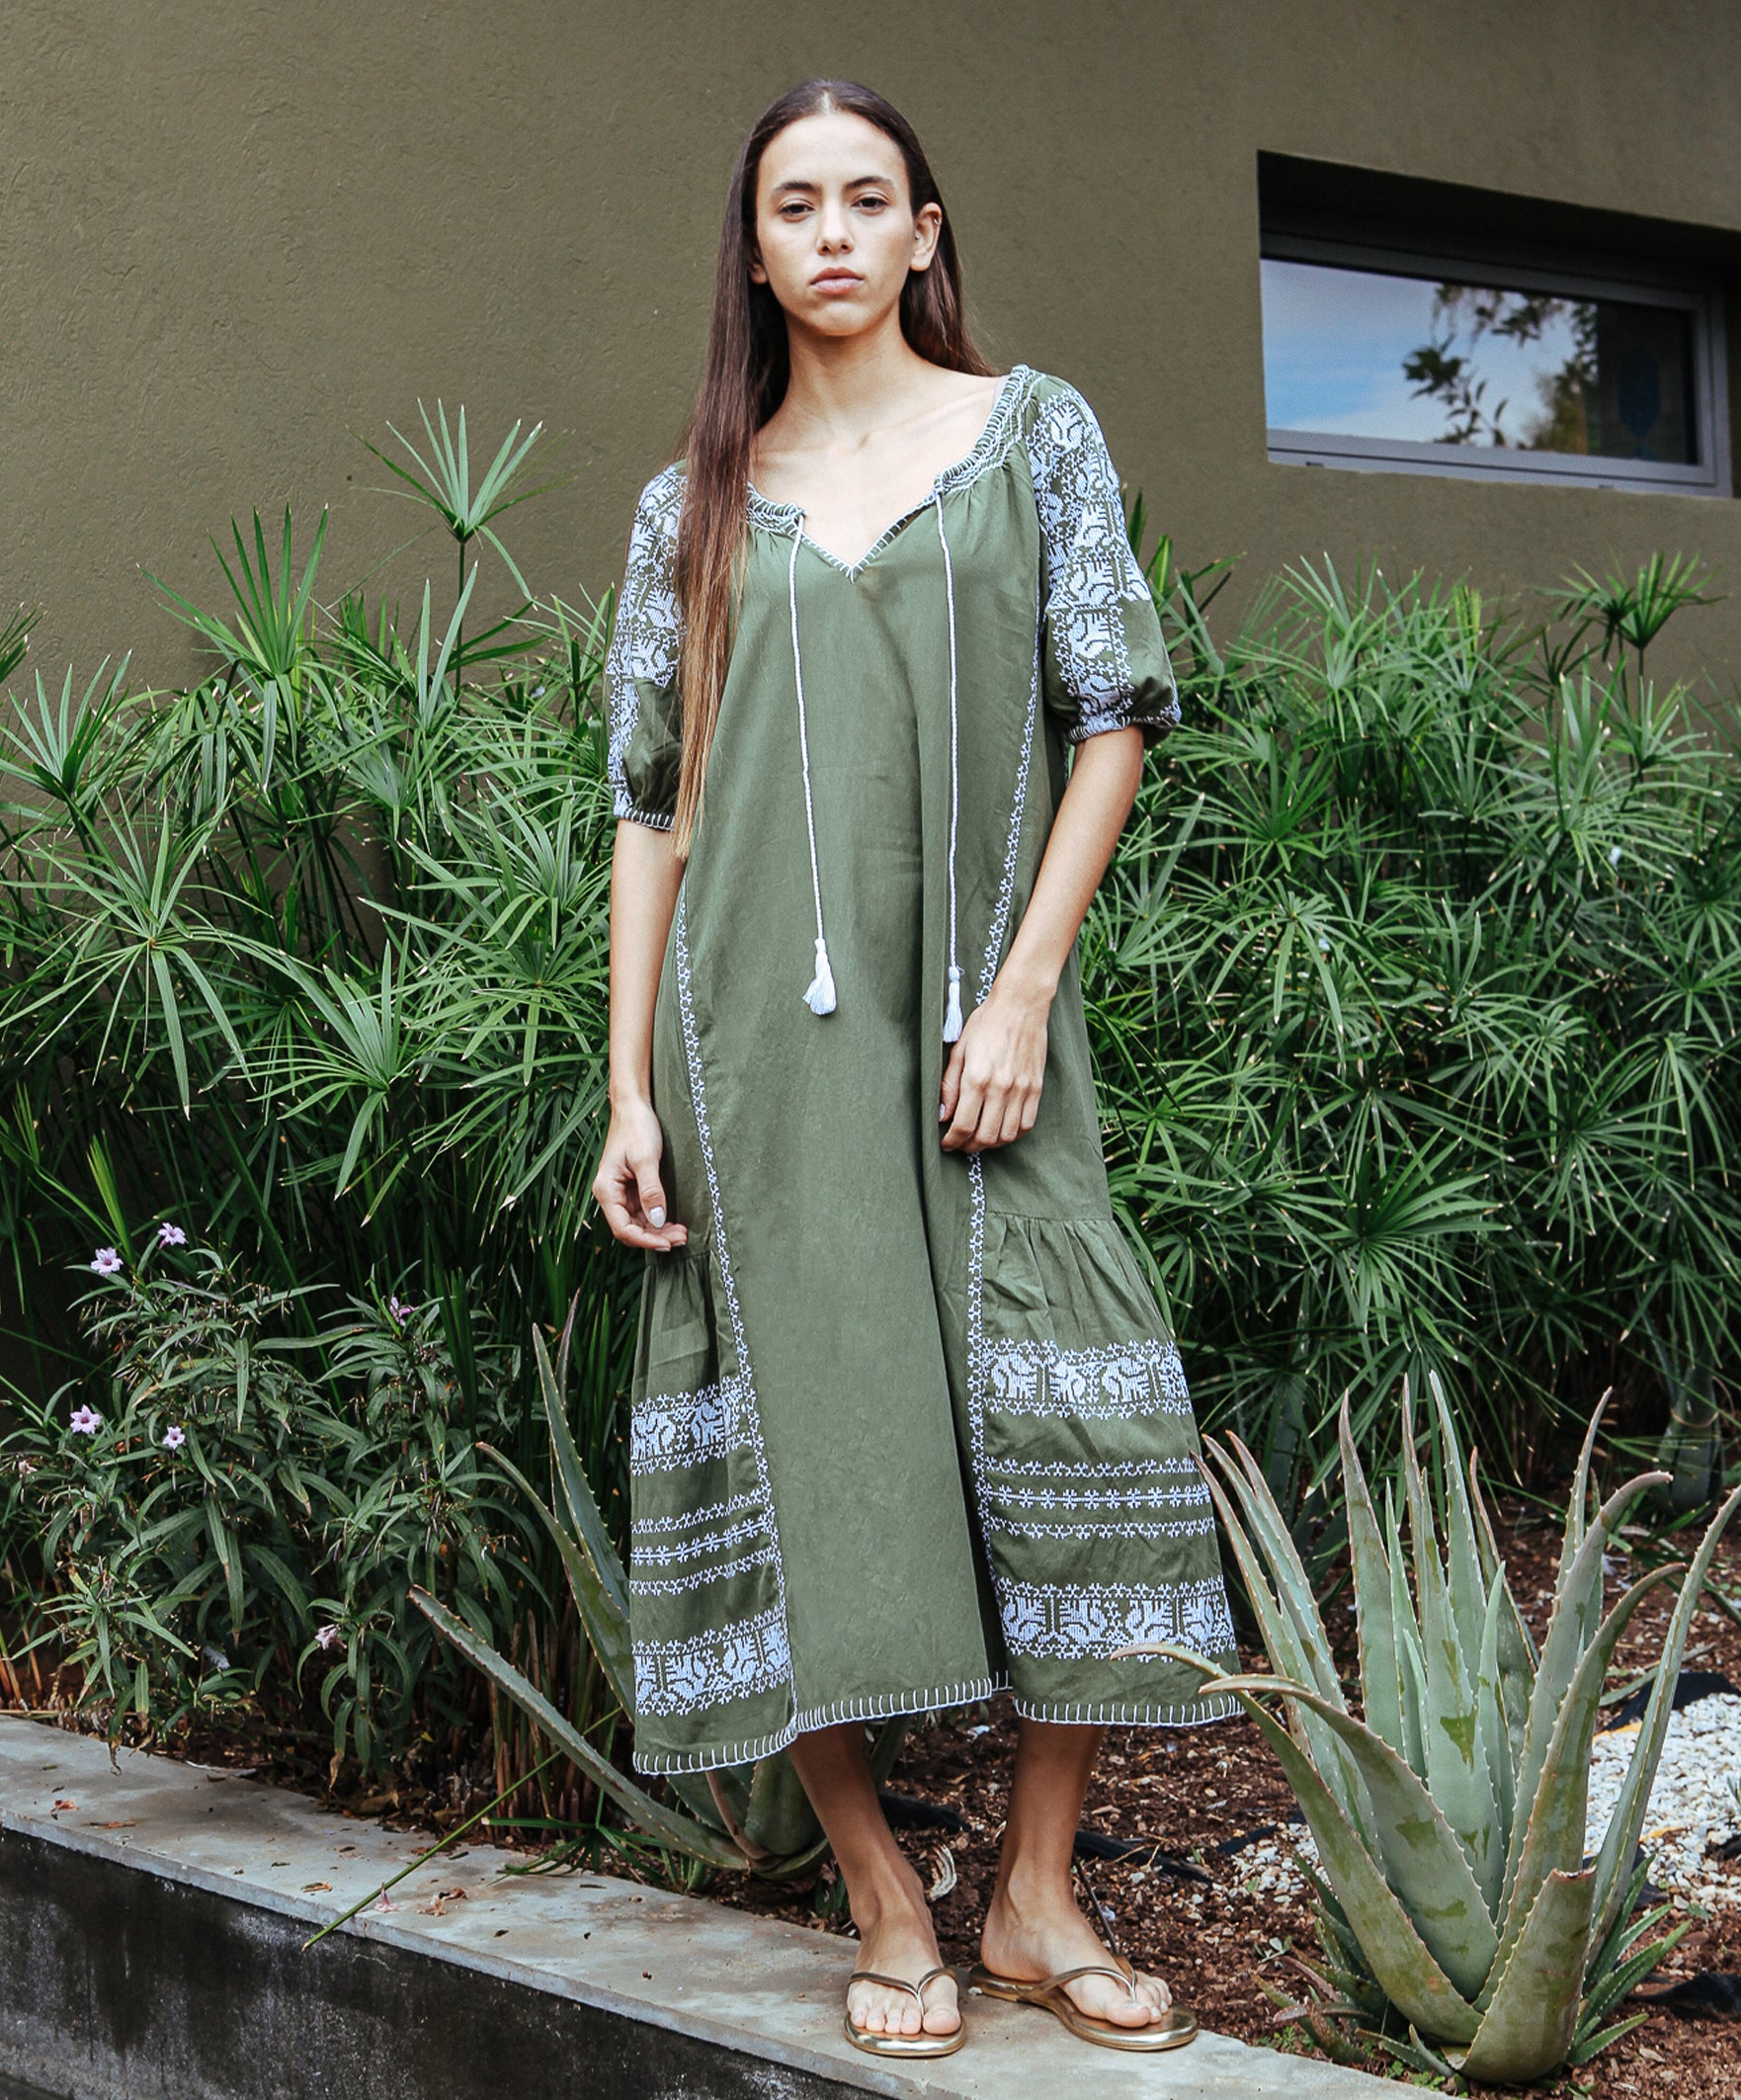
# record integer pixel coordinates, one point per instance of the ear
(926, 229)
(758, 268)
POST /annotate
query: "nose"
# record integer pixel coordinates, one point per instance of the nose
(833, 229)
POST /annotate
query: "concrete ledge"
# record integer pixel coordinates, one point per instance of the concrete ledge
(149, 1950)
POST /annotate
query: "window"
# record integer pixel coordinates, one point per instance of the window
(1433, 360)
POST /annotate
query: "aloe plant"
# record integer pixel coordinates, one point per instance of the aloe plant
(1457, 1906)
(755, 1818)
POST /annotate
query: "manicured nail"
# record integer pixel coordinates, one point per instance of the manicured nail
(657, 1214)
(943, 1114)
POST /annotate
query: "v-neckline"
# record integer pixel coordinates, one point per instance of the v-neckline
(788, 517)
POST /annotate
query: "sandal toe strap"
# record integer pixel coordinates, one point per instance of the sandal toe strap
(917, 1991)
(1125, 1974)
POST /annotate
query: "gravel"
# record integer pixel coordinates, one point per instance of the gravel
(1692, 1808)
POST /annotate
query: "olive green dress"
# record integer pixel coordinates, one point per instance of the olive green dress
(907, 1426)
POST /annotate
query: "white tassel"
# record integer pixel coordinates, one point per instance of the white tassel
(820, 996)
(952, 1020)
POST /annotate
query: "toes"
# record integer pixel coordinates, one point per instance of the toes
(944, 2017)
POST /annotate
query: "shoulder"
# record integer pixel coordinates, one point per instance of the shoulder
(658, 509)
(1057, 419)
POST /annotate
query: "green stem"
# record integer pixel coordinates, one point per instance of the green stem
(375, 1896)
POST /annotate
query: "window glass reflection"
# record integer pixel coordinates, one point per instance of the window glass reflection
(1366, 354)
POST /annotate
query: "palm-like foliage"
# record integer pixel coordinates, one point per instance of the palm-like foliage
(1415, 987)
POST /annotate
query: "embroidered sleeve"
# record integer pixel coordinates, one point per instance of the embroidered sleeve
(1105, 664)
(640, 667)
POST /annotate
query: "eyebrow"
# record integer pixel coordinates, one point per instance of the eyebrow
(856, 181)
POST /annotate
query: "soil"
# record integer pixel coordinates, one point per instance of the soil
(1200, 1910)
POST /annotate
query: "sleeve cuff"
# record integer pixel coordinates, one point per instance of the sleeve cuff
(625, 812)
(1154, 723)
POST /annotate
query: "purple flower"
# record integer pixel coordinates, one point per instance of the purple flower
(400, 1311)
(171, 1236)
(174, 1437)
(86, 1421)
(108, 1262)
(329, 1637)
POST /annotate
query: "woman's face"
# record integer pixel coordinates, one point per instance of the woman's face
(836, 233)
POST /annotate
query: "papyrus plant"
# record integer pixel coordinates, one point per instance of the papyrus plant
(1460, 1919)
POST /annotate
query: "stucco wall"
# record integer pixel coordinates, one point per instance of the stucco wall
(232, 236)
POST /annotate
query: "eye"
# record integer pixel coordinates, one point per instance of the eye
(872, 202)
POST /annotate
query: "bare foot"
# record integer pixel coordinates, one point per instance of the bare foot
(900, 1942)
(1042, 1933)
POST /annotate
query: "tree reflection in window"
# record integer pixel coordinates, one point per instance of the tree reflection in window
(1618, 388)
(1380, 354)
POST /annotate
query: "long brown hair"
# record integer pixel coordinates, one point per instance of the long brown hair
(745, 380)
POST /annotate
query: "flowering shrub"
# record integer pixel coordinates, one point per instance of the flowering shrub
(249, 1511)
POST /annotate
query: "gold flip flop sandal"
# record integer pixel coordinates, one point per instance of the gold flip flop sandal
(1175, 2028)
(919, 2045)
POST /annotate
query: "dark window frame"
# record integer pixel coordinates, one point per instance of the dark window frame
(1510, 268)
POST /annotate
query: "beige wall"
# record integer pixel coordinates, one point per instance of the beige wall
(230, 235)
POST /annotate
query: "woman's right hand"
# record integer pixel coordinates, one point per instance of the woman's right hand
(628, 1187)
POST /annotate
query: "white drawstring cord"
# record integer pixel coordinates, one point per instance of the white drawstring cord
(820, 996)
(951, 1019)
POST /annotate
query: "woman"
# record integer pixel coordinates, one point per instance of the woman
(907, 1427)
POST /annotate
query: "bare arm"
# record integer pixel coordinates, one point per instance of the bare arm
(645, 877)
(991, 1084)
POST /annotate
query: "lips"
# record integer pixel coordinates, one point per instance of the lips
(835, 280)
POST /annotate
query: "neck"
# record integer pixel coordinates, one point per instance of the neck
(846, 384)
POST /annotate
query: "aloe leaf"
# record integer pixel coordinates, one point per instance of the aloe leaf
(1422, 1856)
(1625, 1976)
(1292, 1583)
(1578, 1501)
(779, 1818)
(576, 1491)
(1393, 1950)
(1380, 1690)
(691, 1838)
(1627, 1821)
(1554, 1835)
(1457, 1772)
(1576, 1605)
(1275, 1626)
(606, 1628)
(1285, 1641)
(1411, 1668)
(1468, 1591)
(1490, 1729)
(1527, 2029)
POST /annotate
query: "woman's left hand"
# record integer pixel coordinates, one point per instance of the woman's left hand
(997, 1067)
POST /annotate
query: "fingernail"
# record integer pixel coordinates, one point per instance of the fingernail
(657, 1214)
(942, 1113)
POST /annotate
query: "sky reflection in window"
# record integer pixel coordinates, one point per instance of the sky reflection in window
(1365, 353)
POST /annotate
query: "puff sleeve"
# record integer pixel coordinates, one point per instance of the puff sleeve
(1103, 662)
(641, 666)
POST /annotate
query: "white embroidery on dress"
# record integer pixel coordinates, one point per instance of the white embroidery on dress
(1091, 572)
(670, 1429)
(673, 1553)
(682, 1585)
(1106, 1499)
(1065, 1622)
(1114, 1379)
(647, 637)
(724, 1662)
(708, 1660)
